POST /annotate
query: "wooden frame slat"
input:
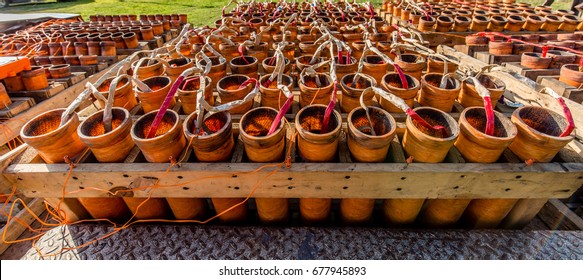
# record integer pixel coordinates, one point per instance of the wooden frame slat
(335, 180)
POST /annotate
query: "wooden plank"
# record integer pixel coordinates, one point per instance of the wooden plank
(457, 107)
(509, 156)
(576, 146)
(10, 129)
(343, 151)
(165, 37)
(177, 107)
(142, 46)
(532, 74)
(520, 92)
(89, 69)
(101, 66)
(496, 59)
(71, 80)
(108, 59)
(291, 146)
(522, 213)
(85, 157)
(496, 180)
(174, 32)
(19, 105)
(133, 155)
(4, 149)
(136, 109)
(557, 216)
(40, 95)
(5, 210)
(569, 154)
(185, 156)
(77, 77)
(101, 59)
(471, 50)
(90, 102)
(539, 80)
(14, 228)
(396, 153)
(91, 108)
(566, 90)
(239, 151)
(24, 154)
(554, 83)
(5, 160)
(155, 43)
(30, 155)
(454, 156)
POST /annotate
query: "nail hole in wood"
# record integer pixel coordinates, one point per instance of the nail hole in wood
(403, 178)
(185, 188)
(75, 178)
(290, 178)
(508, 189)
(347, 177)
(19, 179)
(234, 176)
(518, 176)
(180, 177)
(345, 187)
(399, 189)
(290, 187)
(81, 188)
(463, 176)
(126, 175)
(456, 187)
(236, 188)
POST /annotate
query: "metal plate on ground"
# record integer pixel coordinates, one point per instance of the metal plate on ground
(219, 242)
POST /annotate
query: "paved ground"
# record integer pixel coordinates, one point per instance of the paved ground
(218, 242)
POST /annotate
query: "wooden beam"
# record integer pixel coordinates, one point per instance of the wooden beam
(335, 180)
(558, 216)
(522, 213)
(5, 160)
(14, 228)
(563, 89)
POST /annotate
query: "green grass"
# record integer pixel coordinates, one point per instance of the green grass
(200, 12)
